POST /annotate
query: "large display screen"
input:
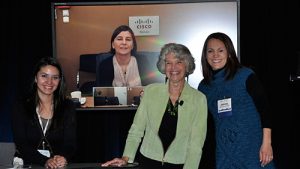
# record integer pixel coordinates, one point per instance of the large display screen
(86, 28)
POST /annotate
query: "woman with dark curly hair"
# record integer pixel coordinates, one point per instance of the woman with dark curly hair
(171, 118)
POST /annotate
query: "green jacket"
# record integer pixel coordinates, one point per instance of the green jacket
(186, 148)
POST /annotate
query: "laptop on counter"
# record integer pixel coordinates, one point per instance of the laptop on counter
(117, 95)
(110, 96)
(134, 95)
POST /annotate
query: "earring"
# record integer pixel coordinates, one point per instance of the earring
(166, 79)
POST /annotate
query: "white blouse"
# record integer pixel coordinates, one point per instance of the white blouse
(130, 77)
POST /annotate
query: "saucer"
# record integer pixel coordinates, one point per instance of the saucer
(82, 100)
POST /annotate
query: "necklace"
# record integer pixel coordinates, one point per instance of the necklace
(172, 109)
(124, 78)
(124, 69)
(123, 73)
(123, 63)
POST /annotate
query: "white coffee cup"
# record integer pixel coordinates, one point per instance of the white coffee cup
(76, 94)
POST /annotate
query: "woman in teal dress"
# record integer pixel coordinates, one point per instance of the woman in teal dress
(238, 105)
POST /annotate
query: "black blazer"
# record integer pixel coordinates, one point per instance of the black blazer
(105, 72)
(28, 134)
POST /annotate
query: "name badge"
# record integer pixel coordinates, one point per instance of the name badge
(44, 152)
(224, 107)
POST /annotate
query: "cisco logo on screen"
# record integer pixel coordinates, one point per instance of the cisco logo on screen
(144, 25)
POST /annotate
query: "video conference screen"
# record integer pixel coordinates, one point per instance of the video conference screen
(86, 27)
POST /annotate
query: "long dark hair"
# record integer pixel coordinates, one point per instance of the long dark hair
(116, 32)
(232, 64)
(59, 94)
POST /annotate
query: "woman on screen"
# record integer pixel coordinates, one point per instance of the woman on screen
(121, 68)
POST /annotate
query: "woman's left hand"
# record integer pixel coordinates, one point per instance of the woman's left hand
(265, 154)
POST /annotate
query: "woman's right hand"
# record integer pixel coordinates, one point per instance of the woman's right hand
(116, 162)
(56, 162)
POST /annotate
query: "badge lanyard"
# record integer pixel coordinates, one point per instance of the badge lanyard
(44, 152)
(44, 129)
(41, 123)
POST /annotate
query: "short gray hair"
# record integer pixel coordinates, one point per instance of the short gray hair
(181, 52)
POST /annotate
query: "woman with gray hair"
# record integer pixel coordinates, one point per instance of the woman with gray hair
(171, 118)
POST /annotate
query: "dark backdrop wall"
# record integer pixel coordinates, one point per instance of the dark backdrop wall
(25, 37)
(268, 36)
(268, 33)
